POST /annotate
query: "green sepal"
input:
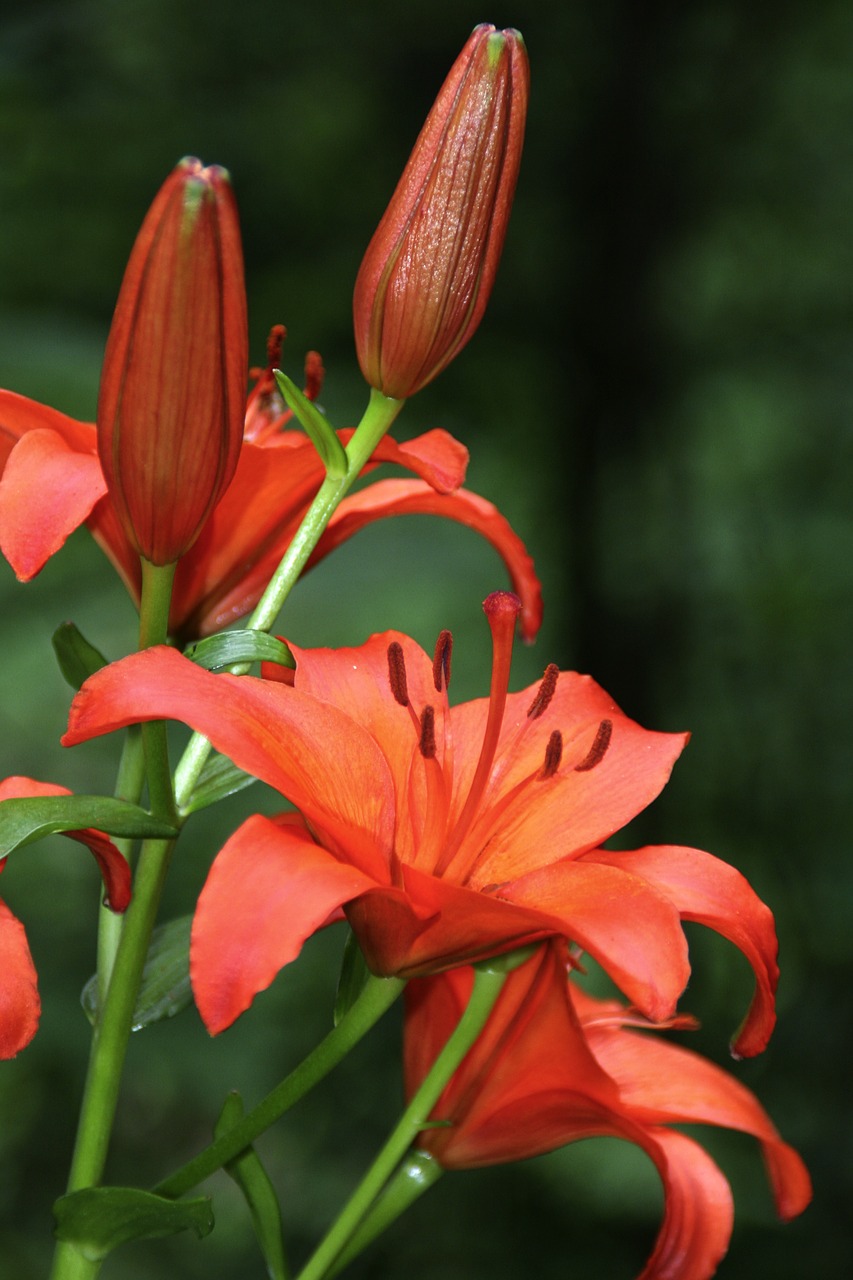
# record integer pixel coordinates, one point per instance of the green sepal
(316, 425)
(165, 989)
(219, 778)
(352, 980)
(252, 1179)
(232, 648)
(76, 657)
(28, 818)
(97, 1220)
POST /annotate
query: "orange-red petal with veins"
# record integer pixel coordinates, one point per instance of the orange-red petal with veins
(20, 1006)
(270, 887)
(707, 890)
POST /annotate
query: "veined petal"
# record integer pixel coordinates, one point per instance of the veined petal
(429, 924)
(698, 1209)
(269, 889)
(633, 932)
(578, 808)
(408, 497)
(47, 490)
(20, 1005)
(327, 765)
(436, 456)
(663, 1083)
(20, 415)
(707, 890)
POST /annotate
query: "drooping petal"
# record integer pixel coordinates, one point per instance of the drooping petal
(707, 890)
(436, 456)
(20, 415)
(633, 932)
(47, 490)
(269, 889)
(20, 1006)
(698, 1209)
(327, 765)
(663, 1083)
(407, 497)
(111, 863)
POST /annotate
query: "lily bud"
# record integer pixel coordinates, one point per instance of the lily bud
(429, 269)
(173, 387)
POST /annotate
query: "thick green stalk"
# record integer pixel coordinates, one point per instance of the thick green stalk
(112, 1032)
(487, 986)
(377, 996)
(378, 417)
(129, 784)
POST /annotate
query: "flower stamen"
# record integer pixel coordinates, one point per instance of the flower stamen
(597, 751)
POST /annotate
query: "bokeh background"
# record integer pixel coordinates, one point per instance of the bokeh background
(659, 399)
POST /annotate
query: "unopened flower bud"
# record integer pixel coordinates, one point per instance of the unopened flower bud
(429, 269)
(173, 388)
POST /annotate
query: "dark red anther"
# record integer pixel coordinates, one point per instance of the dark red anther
(441, 661)
(397, 673)
(427, 742)
(275, 343)
(314, 374)
(545, 692)
(553, 755)
(600, 743)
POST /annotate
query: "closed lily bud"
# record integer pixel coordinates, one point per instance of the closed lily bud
(173, 387)
(428, 272)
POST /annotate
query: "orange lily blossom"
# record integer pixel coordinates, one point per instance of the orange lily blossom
(53, 482)
(20, 1006)
(554, 1065)
(445, 834)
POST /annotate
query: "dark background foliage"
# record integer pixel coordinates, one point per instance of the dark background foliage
(659, 398)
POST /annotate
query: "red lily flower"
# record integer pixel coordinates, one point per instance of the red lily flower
(428, 272)
(446, 834)
(53, 482)
(553, 1065)
(20, 1006)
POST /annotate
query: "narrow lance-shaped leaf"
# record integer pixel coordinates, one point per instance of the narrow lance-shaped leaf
(316, 426)
(165, 989)
(76, 657)
(24, 820)
(232, 647)
(99, 1219)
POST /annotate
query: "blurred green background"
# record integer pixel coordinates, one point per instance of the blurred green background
(659, 399)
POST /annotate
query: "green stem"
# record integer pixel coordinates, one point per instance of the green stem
(378, 417)
(377, 996)
(418, 1172)
(111, 1034)
(129, 784)
(487, 986)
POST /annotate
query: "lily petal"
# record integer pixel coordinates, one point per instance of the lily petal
(328, 766)
(20, 1006)
(698, 1209)
(47, 490)
(707, 890)
(633, 932)
(111, 863)
(407, 497)
(269, 889)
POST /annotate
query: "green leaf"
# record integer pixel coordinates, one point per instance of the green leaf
(231, 648)
(252, 1179)
(76, 657)
(353, 977)
(29, 818)
(219, 778)
(317, 427)
(98, 1219)
(165, 989)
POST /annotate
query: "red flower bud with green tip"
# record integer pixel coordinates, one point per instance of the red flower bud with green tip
(173, 389)
(429, 269)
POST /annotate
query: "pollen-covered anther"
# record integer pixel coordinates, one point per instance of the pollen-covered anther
(553, 756)
(545, 692)
(275, 345)
(427, 740)
(441, 661)
(397, 673)
(597, 751)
